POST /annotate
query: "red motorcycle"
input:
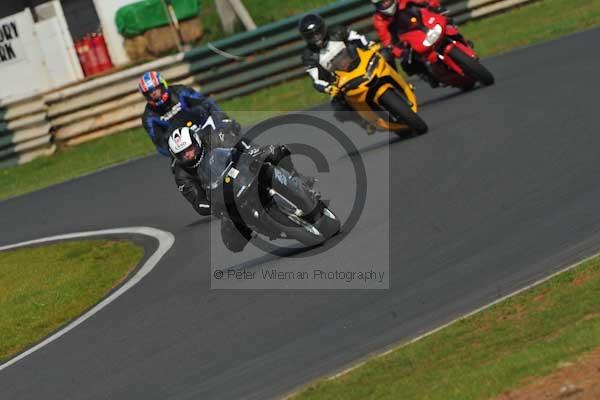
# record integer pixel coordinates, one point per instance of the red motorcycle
(447, 56)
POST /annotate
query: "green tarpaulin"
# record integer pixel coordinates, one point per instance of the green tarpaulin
(135, 19)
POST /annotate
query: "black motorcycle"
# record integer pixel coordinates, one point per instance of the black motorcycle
(268, 199)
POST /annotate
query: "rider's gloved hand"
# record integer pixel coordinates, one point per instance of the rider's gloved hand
(397, 51)
(332, 90)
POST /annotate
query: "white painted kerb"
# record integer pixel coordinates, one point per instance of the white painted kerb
(165, 240)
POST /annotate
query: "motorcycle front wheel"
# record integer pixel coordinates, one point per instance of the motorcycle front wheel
(312, 231)
(400, 109)
(472, 67)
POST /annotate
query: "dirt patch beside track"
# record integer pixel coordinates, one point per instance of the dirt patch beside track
(578, 380)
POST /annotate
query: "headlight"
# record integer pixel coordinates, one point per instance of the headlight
(433, 35)
(373, 63)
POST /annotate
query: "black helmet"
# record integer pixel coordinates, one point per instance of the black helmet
(386, 7)
(314, 30)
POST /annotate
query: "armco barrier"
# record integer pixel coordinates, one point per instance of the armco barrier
(242, 63)
(24, 131)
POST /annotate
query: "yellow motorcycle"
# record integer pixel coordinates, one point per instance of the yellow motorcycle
(378, 93)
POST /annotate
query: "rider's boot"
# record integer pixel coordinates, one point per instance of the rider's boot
(429, 77)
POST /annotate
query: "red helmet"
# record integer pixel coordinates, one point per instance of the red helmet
(154, 88)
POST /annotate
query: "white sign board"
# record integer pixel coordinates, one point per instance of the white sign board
(36, 57)
(11, 48)
(22, 63)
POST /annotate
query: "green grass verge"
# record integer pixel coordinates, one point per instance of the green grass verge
(72, 162)
(540, 21)
(481, 356)
(262, 11)
(43, 288)
(530, 24)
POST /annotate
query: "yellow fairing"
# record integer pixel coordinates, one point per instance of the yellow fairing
(386, 78)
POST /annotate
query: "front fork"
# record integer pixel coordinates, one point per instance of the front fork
(435, 56)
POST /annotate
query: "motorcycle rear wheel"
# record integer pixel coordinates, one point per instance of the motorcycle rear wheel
(400, 109)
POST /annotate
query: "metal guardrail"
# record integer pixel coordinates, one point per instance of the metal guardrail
(24, 131)
(110, 104)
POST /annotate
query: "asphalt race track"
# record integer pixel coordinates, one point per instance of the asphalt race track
(502, 191)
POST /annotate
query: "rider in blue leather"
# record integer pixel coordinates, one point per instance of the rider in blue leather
(164, 101)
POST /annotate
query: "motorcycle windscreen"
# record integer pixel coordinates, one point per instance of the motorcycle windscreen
(346, 60)
(214, 166)
(248, 167)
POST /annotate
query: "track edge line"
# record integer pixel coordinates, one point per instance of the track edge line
(398, 346)
(165, 242)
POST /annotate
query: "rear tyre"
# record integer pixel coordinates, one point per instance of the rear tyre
(400, 109)
(472, 67)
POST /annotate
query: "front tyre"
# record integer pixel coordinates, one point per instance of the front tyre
(315, 230)
(400, 109)
(471, 67)
(328, 223)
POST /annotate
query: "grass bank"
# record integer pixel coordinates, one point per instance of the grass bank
(43, 288)
(262, 12)
(536, 22)
(499, 349)
(73, 162)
